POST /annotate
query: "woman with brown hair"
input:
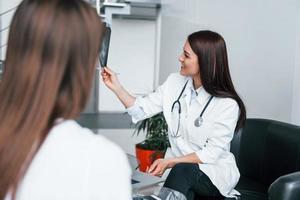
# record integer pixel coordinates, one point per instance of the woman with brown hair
(203, 111)
(49, 68)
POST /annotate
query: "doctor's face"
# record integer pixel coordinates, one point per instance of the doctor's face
(189, 61)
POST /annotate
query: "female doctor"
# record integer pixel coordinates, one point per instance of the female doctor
(202, 110)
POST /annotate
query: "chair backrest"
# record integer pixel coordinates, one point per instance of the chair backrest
(266, 149)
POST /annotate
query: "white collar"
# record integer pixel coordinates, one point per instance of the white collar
(197, 91)
(202, 96)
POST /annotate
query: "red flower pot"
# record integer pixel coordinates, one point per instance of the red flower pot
(146, 157)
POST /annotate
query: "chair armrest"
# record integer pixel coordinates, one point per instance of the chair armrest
(286, 187)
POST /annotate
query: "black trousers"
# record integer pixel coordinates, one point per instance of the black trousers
(188, 179)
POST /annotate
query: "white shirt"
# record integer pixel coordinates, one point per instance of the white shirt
(210, 141)
(73, 163)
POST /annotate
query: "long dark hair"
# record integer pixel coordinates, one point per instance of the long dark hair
(49, 67)
(210, 49)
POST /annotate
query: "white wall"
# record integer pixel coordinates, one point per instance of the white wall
(260, 37)
(132, 54)
(296, 99)
(5, 22)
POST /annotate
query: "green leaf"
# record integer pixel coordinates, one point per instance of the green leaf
(156, 129)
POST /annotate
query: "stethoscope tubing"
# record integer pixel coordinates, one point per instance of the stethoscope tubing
(198, 120)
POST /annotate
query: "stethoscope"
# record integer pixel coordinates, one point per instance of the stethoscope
(199, 120)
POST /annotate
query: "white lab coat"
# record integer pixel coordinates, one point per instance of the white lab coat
(210, 141)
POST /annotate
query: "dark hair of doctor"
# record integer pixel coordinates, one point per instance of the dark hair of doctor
(49, 67)
(210, 49)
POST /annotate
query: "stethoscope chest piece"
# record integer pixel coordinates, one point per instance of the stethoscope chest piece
(198, 121)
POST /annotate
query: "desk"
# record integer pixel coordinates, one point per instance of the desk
(158, 192)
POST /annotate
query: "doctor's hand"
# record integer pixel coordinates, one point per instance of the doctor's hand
(159, 166)
(110, 79)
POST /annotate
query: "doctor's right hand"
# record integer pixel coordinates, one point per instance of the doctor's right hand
(110, 79)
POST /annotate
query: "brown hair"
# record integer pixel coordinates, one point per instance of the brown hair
(210, 48)
(50, 62)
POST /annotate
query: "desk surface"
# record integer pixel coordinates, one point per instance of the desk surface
(105, 120)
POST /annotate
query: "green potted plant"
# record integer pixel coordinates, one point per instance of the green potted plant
(156, 142)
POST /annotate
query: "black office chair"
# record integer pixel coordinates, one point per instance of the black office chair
(268, 157)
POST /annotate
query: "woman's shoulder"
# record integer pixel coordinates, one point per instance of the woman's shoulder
(225, 102)
(225, 107)
(71, 155)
